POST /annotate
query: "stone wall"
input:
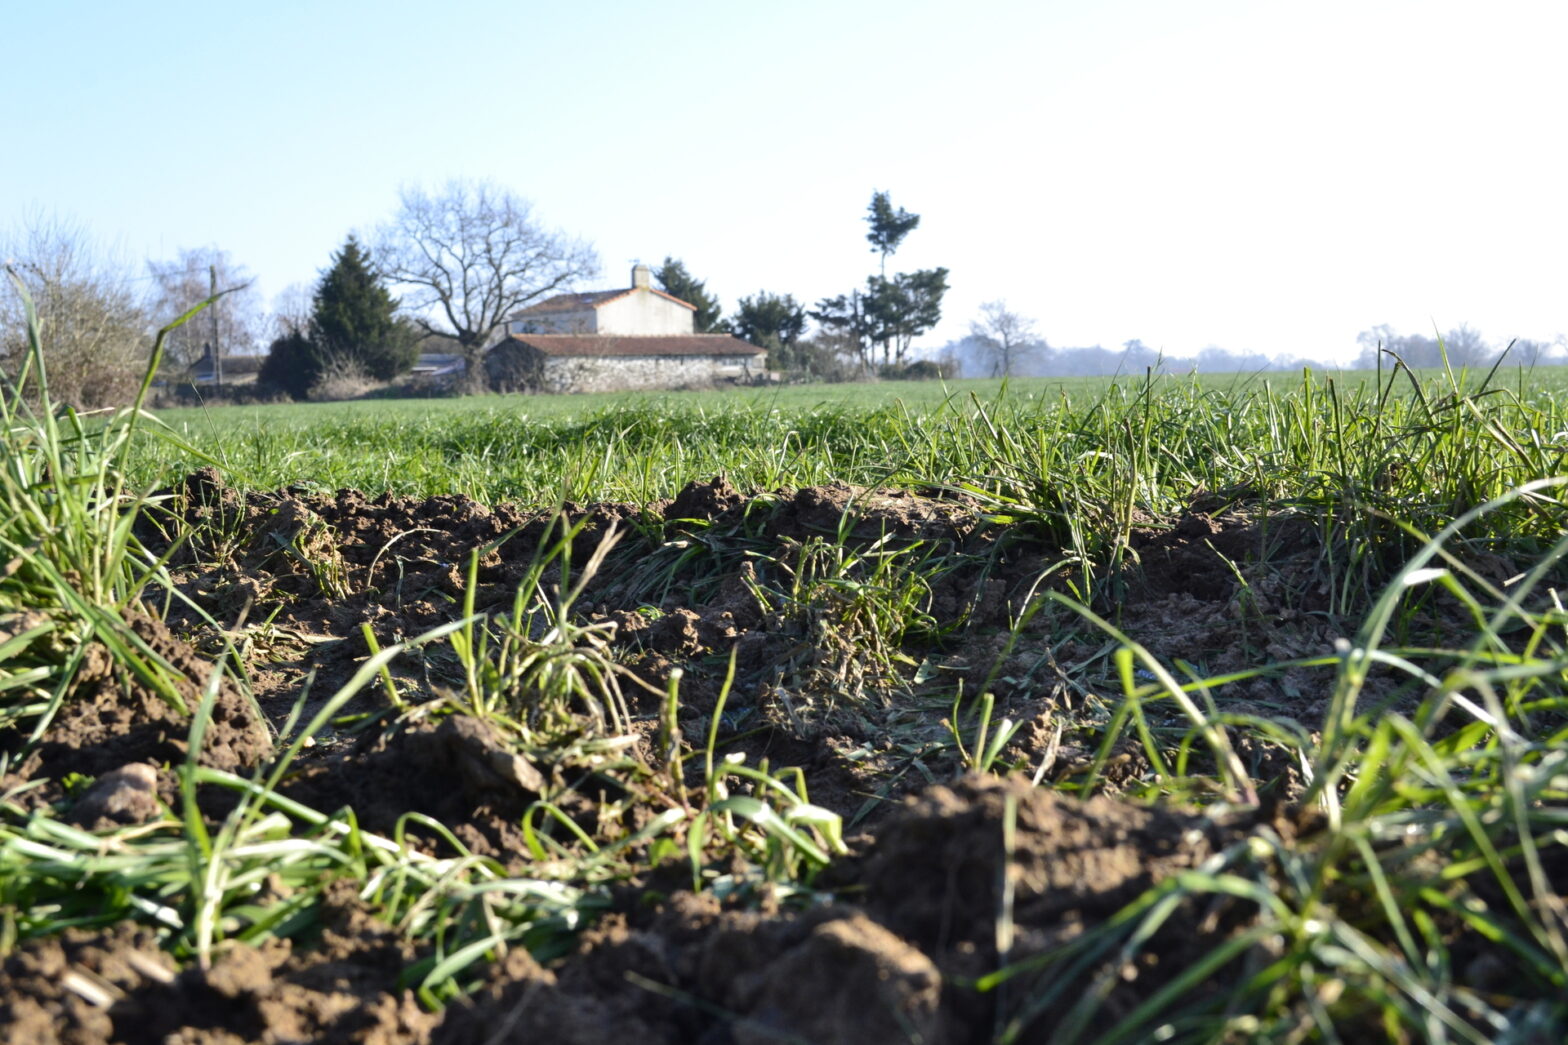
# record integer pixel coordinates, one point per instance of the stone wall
(624, 373)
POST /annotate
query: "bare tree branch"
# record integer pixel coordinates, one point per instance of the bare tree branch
(471, 256)
(186, 280)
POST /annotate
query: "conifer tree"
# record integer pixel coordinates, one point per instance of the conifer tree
(888, 226)
(355, 317)
(291, 365)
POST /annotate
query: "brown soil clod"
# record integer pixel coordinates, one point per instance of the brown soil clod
(128, 795)
(113, 718)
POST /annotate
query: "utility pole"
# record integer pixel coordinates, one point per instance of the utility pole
(217, 350)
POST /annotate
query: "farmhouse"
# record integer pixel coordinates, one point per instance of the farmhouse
(224, 370)
(611, 340)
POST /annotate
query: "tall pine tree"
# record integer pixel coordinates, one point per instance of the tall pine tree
(888, 226)
(894, 311)
(355, 318)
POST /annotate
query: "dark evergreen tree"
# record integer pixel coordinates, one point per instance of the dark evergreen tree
(292, 365)
(677, 282)
(888, 226)
(355, 317)
(771, 321)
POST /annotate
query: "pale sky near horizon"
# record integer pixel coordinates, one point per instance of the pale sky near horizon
(1261, 176)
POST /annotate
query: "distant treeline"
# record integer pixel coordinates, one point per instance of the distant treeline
(975, 357)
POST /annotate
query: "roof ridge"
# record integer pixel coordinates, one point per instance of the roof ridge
(630, 344)
(672, 297)
(595, 299)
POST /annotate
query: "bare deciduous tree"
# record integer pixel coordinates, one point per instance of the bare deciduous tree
(291, 310)
(1466, 347)
(232, 324)
(1461, 346)
(1004, 337)
(93, 333)
(472, 255)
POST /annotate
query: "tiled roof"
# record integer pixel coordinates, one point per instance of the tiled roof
(590, 299)
(672, 297)
(235, 364)
(637, 345)
(571, 302)
(439, 363)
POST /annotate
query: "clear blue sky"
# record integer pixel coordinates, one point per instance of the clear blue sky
(1262, 176)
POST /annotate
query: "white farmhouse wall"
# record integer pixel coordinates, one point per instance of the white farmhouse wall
(643, 312)
(621, 373)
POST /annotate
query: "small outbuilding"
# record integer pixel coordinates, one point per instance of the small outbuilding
(224, 370)
(617, 340)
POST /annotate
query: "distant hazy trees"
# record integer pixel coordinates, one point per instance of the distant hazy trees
(1526, 352)
(471, 255)
(1462, 346)
(93, 329)
(674, 280)
(1006, 339)
(973, 356)
(983, 353)
(1381, 344)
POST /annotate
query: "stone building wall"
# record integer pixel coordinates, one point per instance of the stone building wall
(623, 373)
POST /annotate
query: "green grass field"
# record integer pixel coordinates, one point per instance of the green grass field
(1392, 635)
(644, 446)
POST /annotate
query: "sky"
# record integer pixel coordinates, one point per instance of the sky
(1269, 177)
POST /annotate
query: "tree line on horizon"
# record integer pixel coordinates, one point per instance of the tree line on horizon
(450, 268)
(1002, 344)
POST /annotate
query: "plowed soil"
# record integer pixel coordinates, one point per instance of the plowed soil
(929, 901)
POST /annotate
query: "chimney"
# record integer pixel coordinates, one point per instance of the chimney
(641, 276)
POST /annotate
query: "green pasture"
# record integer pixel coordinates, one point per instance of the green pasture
(1284, 433)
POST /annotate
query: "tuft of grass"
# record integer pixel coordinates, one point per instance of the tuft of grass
(1436, 866)
(853, 610)
(73, 570)
(537, 667)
